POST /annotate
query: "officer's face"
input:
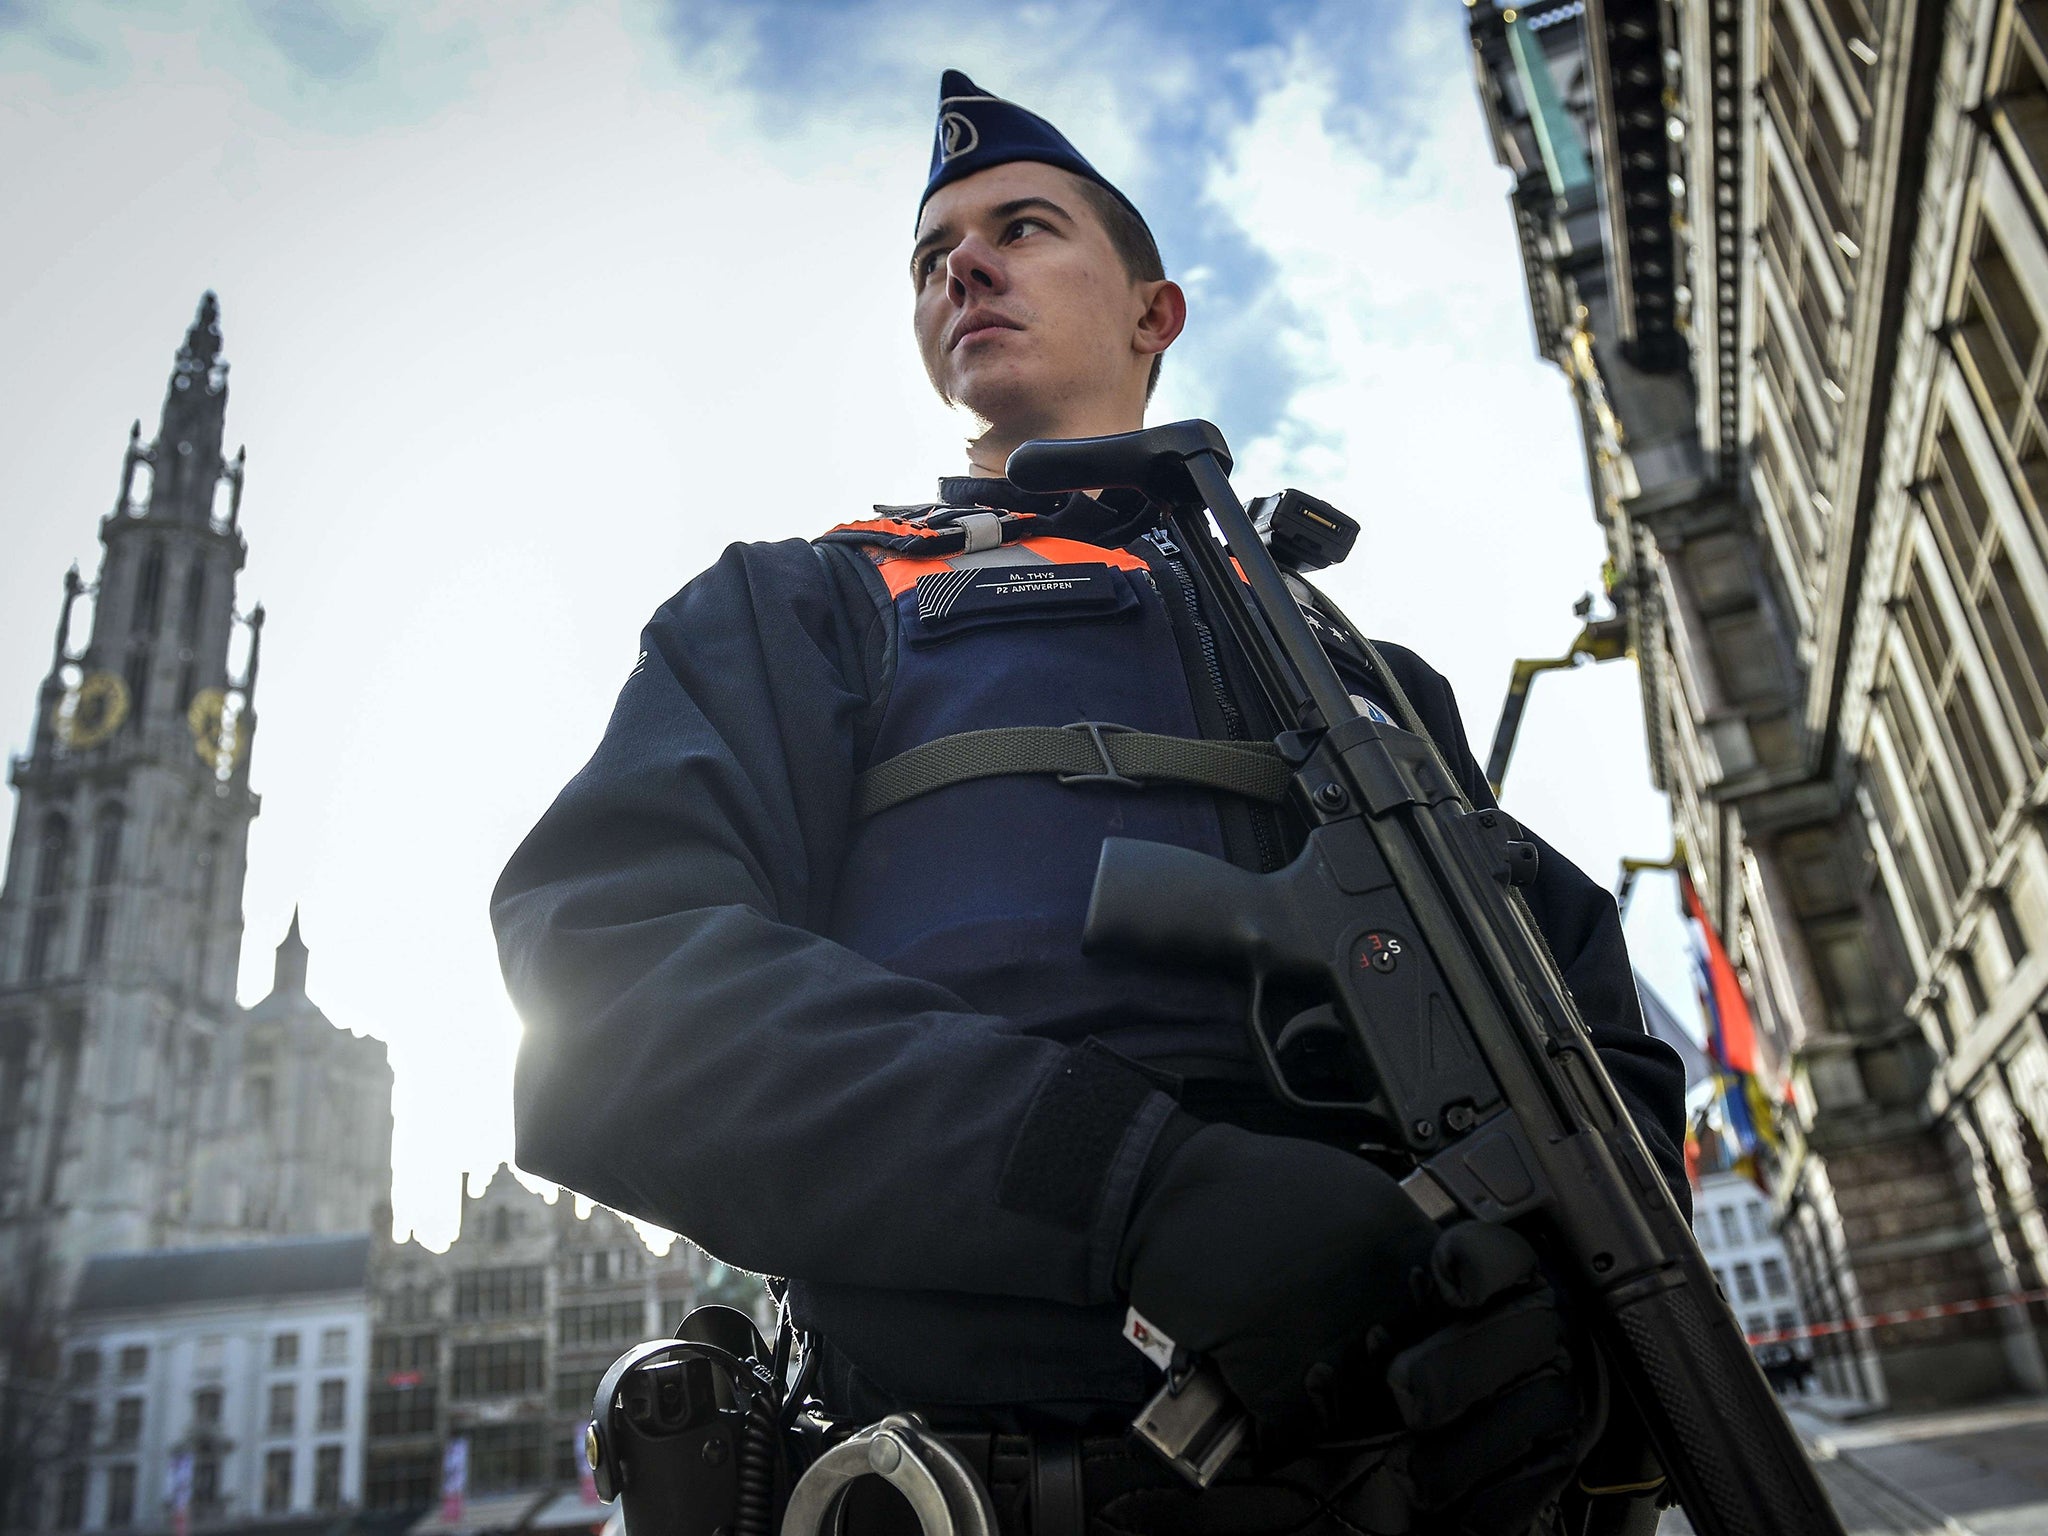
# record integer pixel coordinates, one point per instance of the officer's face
(1025, 314)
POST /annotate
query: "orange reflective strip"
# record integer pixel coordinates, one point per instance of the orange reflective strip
(901, 572)
(1074, 552)
(887, 525)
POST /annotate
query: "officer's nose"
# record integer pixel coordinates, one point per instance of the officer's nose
(973, 270)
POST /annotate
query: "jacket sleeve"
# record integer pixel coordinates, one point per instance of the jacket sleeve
(1580, 923)
(696, 1054)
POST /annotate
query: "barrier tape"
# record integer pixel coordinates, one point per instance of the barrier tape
(1887, 1319)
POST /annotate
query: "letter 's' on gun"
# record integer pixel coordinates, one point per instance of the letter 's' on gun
(1399, 931)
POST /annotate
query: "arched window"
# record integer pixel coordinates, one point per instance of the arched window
(53, 874)
(137, 674)
(106, 843)
(149, 591)
(106, 872)
(195, 597)
(53, 855)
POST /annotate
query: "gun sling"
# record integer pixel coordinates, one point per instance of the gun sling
(1087, 752)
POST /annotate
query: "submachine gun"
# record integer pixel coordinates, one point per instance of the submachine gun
(1401, 928)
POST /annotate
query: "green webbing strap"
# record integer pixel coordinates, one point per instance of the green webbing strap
(1089, 752)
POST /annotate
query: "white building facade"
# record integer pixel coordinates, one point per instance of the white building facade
(251, 1361)
(1732, 1221)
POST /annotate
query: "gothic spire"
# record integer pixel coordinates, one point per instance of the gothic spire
(187, 452)
(289, 979)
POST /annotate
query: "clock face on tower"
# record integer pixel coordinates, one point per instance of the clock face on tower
(215, 737)
(93, 712)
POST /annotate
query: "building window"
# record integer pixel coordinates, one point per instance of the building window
(511, 1292)
(576, 1390)
(605, 1322)
(503, 1456)
(85, 1367)
(134, 1361)
(149, 590)
(206, 1407)
(79, 1417)
(284, 1401)
(1998, 339)
(71, 1499)
(403, 1410)
(500, 1368)
(405, 1480)
(53, 873)
(1745, 1283)
(333, 1404)
(327, 1477)
(393, 1353)
(334, 1346)
(1731, 1232)
(206, 1485)
(1759, 1221)
(1774, 1278)
(1797, 106)
(127, 1422)
(284, 1351)
(1980, 565)
(1920, 769)
(277, 1481)
(120, 1495)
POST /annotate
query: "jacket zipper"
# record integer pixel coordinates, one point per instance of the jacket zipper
(1205, 638)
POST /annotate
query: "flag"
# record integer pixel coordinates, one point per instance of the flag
(1663, 1025)
(178, 1489)
(1734, 1030)
(454, 1480)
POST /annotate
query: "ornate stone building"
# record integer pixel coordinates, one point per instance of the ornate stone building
(140, 1106)
(503, 1339)
(1793, 257)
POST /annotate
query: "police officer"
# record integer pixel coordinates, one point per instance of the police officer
(837, 1026)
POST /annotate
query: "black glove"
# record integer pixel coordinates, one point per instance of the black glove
(1499, 1422)
(1286, 1262)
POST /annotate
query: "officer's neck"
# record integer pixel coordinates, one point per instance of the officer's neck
(988, 454)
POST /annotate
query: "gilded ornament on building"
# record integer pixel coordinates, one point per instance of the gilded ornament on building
(93, 712)
(215, 737)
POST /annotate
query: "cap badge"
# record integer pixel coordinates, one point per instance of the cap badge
(957, 135)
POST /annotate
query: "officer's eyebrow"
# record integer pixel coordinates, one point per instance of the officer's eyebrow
(942, 234)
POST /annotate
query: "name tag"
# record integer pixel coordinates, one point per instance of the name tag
(978, 596)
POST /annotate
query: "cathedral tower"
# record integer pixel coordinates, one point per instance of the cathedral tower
(121, 914)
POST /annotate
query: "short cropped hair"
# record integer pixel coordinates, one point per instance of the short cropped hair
(1134, 246)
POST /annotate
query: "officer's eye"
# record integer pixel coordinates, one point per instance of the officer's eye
(1020, 224)
(927, 264)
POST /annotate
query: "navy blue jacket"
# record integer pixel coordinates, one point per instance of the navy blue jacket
(870, 1056)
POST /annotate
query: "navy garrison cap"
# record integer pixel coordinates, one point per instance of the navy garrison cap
(977, 130)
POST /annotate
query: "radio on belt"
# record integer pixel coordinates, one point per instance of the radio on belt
(1304, 533)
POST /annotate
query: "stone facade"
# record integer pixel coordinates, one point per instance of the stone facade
(248, 1360)
(503, 1339)
(1791, 255)
(140, 1106)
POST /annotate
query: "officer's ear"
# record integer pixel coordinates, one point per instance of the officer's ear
(1164, 317)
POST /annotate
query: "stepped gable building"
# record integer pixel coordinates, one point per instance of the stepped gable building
(502, 1341)
(1793, 257)
(140, 1106)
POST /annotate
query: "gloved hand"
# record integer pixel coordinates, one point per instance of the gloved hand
(1287, 1262)
(1499, 1422)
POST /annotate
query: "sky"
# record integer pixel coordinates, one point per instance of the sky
(532, 307)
